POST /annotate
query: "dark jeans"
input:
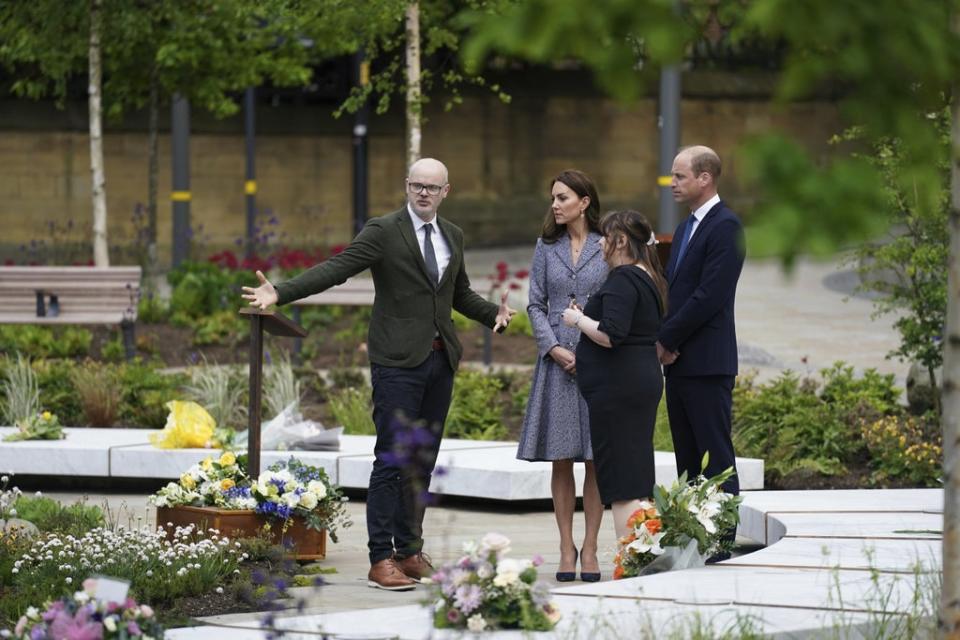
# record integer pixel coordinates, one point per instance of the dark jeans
(409, 409)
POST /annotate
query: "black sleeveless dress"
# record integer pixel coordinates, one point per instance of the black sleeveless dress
(623, 384)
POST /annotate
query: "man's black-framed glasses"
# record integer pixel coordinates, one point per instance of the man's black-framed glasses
(420, 187)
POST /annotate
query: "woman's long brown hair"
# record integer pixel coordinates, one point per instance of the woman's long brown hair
(635, 229)
(581, 184)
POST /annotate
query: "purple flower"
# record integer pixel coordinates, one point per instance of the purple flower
(468, 597)
(133, 629)
(537, 560)
(453, 616)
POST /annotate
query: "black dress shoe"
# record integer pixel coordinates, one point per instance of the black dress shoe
(569, 576)
(590, 577)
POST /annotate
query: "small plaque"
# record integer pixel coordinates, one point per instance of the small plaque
(111, 589)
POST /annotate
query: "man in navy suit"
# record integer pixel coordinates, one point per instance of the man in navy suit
(698, 343)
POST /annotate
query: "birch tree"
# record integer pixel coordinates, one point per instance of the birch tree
(413, 82)
(98, 194)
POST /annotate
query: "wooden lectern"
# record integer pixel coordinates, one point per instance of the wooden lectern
(276, 324)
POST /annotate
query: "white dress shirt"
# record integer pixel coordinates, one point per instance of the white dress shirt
(699, 214)
(441, 250)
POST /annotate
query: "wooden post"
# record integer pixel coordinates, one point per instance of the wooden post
(279, 325)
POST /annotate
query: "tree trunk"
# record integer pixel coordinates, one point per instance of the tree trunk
(153, 169)
(101, 256)
(950, 606)
(413, 83)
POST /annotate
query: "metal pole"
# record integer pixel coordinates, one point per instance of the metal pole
(180, 195)
(360, 194)
(250, 185)
(669, 125)
(256, 375)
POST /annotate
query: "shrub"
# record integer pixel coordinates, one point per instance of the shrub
(476, 411)
(20, 391)
(113, 350)
(51, 516)
(145, 392)
(34, 341)
(202, 288)
(219, 389)
(57, 393)
(792, 427)
(220, 327)
(904, 447)
(352, 408)
(281, 387)
(98, 393)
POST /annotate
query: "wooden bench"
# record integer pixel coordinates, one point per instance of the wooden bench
(71, 295)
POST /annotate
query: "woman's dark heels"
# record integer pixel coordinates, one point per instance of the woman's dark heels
(569, 576)
(587, 576)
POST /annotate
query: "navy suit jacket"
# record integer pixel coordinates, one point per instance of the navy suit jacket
(702, 289)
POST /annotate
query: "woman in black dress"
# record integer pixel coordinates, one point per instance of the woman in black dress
(618, 371)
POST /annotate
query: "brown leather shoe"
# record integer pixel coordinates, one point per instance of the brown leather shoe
(416, 567)
(387, 575)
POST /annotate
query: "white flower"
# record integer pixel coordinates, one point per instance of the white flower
(309, 500)
(705, 514)
(495, 542)
(291, 499)
(508, 572)
(69, 580)
(32, 612)
(317, 488)
(219, 589)
(110, 622)
(13, 512)
(647, 542)
(485, 570)
(81, 596)
(476, 623)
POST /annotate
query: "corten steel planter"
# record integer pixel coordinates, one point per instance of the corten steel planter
(307, 544)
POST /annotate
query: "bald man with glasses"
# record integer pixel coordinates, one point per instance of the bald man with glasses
(416, 258)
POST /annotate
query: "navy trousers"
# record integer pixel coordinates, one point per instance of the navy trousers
(700, 410)
(409, 409)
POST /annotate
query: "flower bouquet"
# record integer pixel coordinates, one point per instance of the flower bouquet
(685, 525)
(301, 497)
(41, 426)
(485, 590)
(82, 616)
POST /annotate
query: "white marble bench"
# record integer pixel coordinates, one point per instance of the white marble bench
(469, 468)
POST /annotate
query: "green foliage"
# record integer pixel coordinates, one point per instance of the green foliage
(21, 393)
(476, 411)
(909, 268)
(352, 408)
(113, 350)
(220, 327)
(905, 448)
(51, 516)
(280, 385)
(57, 393)
(99, 393)
(220, 390)
(202, 288)
(460, 321)
(662, 438)
(145, 391)
(36, 341)
(151, 308)
(788, 424)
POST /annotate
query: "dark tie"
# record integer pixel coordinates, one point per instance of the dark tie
(688, 229)
(429, 257)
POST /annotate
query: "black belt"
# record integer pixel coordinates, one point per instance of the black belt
(437, 344)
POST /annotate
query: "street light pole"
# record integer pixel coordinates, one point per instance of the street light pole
(180, 195)
(250, 184)
(669, 124)
(360, 190)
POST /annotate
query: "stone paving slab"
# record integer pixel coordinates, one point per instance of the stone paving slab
(882, 555)
(777, 588)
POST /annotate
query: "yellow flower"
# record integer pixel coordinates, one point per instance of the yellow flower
(207, 463)
(46, 415)
(228, 459)
(227, 484)
(187, 481)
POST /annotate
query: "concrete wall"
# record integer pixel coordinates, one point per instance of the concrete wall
(501, 158)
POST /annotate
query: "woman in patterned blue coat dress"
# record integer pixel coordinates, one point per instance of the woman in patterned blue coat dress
(567, 265)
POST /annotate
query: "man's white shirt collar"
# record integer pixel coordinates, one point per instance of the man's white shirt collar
(703, 209)
(418, 222)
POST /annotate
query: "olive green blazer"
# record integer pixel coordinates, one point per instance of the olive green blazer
(408, 311)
